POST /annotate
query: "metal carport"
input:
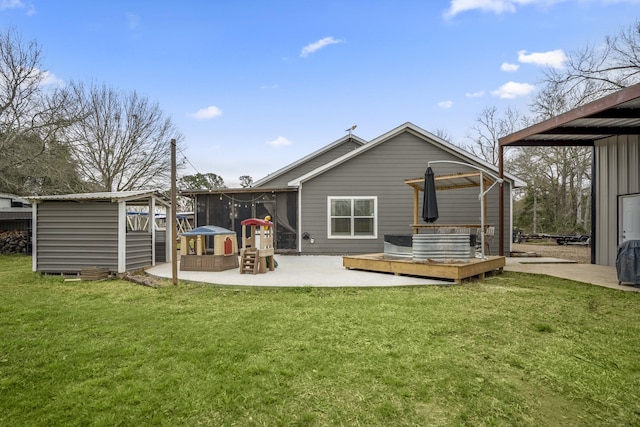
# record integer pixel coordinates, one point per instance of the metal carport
(610, 117)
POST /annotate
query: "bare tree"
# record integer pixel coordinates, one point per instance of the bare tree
(442, 134)
(124, 141)
(590, 73)
(33, 116)
(489, 127)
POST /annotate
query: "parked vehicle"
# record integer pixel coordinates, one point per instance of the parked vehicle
(574, 240)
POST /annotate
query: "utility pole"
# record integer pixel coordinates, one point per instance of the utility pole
(173, 225)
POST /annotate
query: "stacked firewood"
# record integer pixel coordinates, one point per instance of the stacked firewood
(14, 242)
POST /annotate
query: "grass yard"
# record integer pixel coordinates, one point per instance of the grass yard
(512, 350)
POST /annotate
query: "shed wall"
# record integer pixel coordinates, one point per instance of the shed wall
(138, 250)
(311, 164)
(73, 235)
(381, 172)
(617, 172)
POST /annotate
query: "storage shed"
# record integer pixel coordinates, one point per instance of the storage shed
(77, 231)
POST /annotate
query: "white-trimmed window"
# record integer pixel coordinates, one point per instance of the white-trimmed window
(352, 217)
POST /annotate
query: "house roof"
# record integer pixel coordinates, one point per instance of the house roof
(115, 196)
(227, 191)
(614, 114)
(309, 157)
(406, 127)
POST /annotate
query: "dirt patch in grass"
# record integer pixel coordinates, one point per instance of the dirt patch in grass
(580, 254)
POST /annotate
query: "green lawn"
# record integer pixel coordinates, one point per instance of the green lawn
(512, 350)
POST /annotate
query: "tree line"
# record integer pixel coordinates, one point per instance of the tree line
(76, 137)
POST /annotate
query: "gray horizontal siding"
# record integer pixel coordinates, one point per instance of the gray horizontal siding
(381, 172)
(72, 235)
(617, 173)
(311, 164)
(138, 250)
(161, 246)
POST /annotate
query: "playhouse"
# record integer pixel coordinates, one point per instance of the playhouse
(208, 248)
(257, 246)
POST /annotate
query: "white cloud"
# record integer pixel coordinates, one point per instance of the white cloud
(17, 4)
(477, 94)
(133, 21)
(509, 67)
(445, 104)
(317, 45)
(495, 6)
(50, 79)
(280, 141)
(554, 58)
(512, 90)
(11, 4)
(207, 113)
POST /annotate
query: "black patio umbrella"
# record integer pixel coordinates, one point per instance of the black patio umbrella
(429, 203)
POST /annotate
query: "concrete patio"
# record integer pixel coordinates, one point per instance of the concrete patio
(327, 271)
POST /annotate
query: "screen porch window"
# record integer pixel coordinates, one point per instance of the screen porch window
(352, 217)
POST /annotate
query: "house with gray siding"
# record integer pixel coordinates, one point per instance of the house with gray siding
(348, 205)
(76, 231)
(345, 199)
(270, 195)
(611, 127)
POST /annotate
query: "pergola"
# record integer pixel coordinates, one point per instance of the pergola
(613, 115)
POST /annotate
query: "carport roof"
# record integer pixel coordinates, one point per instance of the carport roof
(615, 114)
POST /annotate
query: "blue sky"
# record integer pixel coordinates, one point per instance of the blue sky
(256, 85)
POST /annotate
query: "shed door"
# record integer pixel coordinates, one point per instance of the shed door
(630, 219)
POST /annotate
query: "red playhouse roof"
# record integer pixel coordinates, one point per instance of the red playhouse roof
(256, 221)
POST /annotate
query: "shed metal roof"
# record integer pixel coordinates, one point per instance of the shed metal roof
(114, 196)
(615, 114)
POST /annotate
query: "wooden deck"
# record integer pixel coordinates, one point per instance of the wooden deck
(455, 270)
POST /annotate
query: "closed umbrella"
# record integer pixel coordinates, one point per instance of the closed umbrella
(430, 203)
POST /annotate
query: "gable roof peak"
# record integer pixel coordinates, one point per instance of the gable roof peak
(346, 138)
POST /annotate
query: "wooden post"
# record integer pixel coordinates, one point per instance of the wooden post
(174, 202)
(416, 202)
